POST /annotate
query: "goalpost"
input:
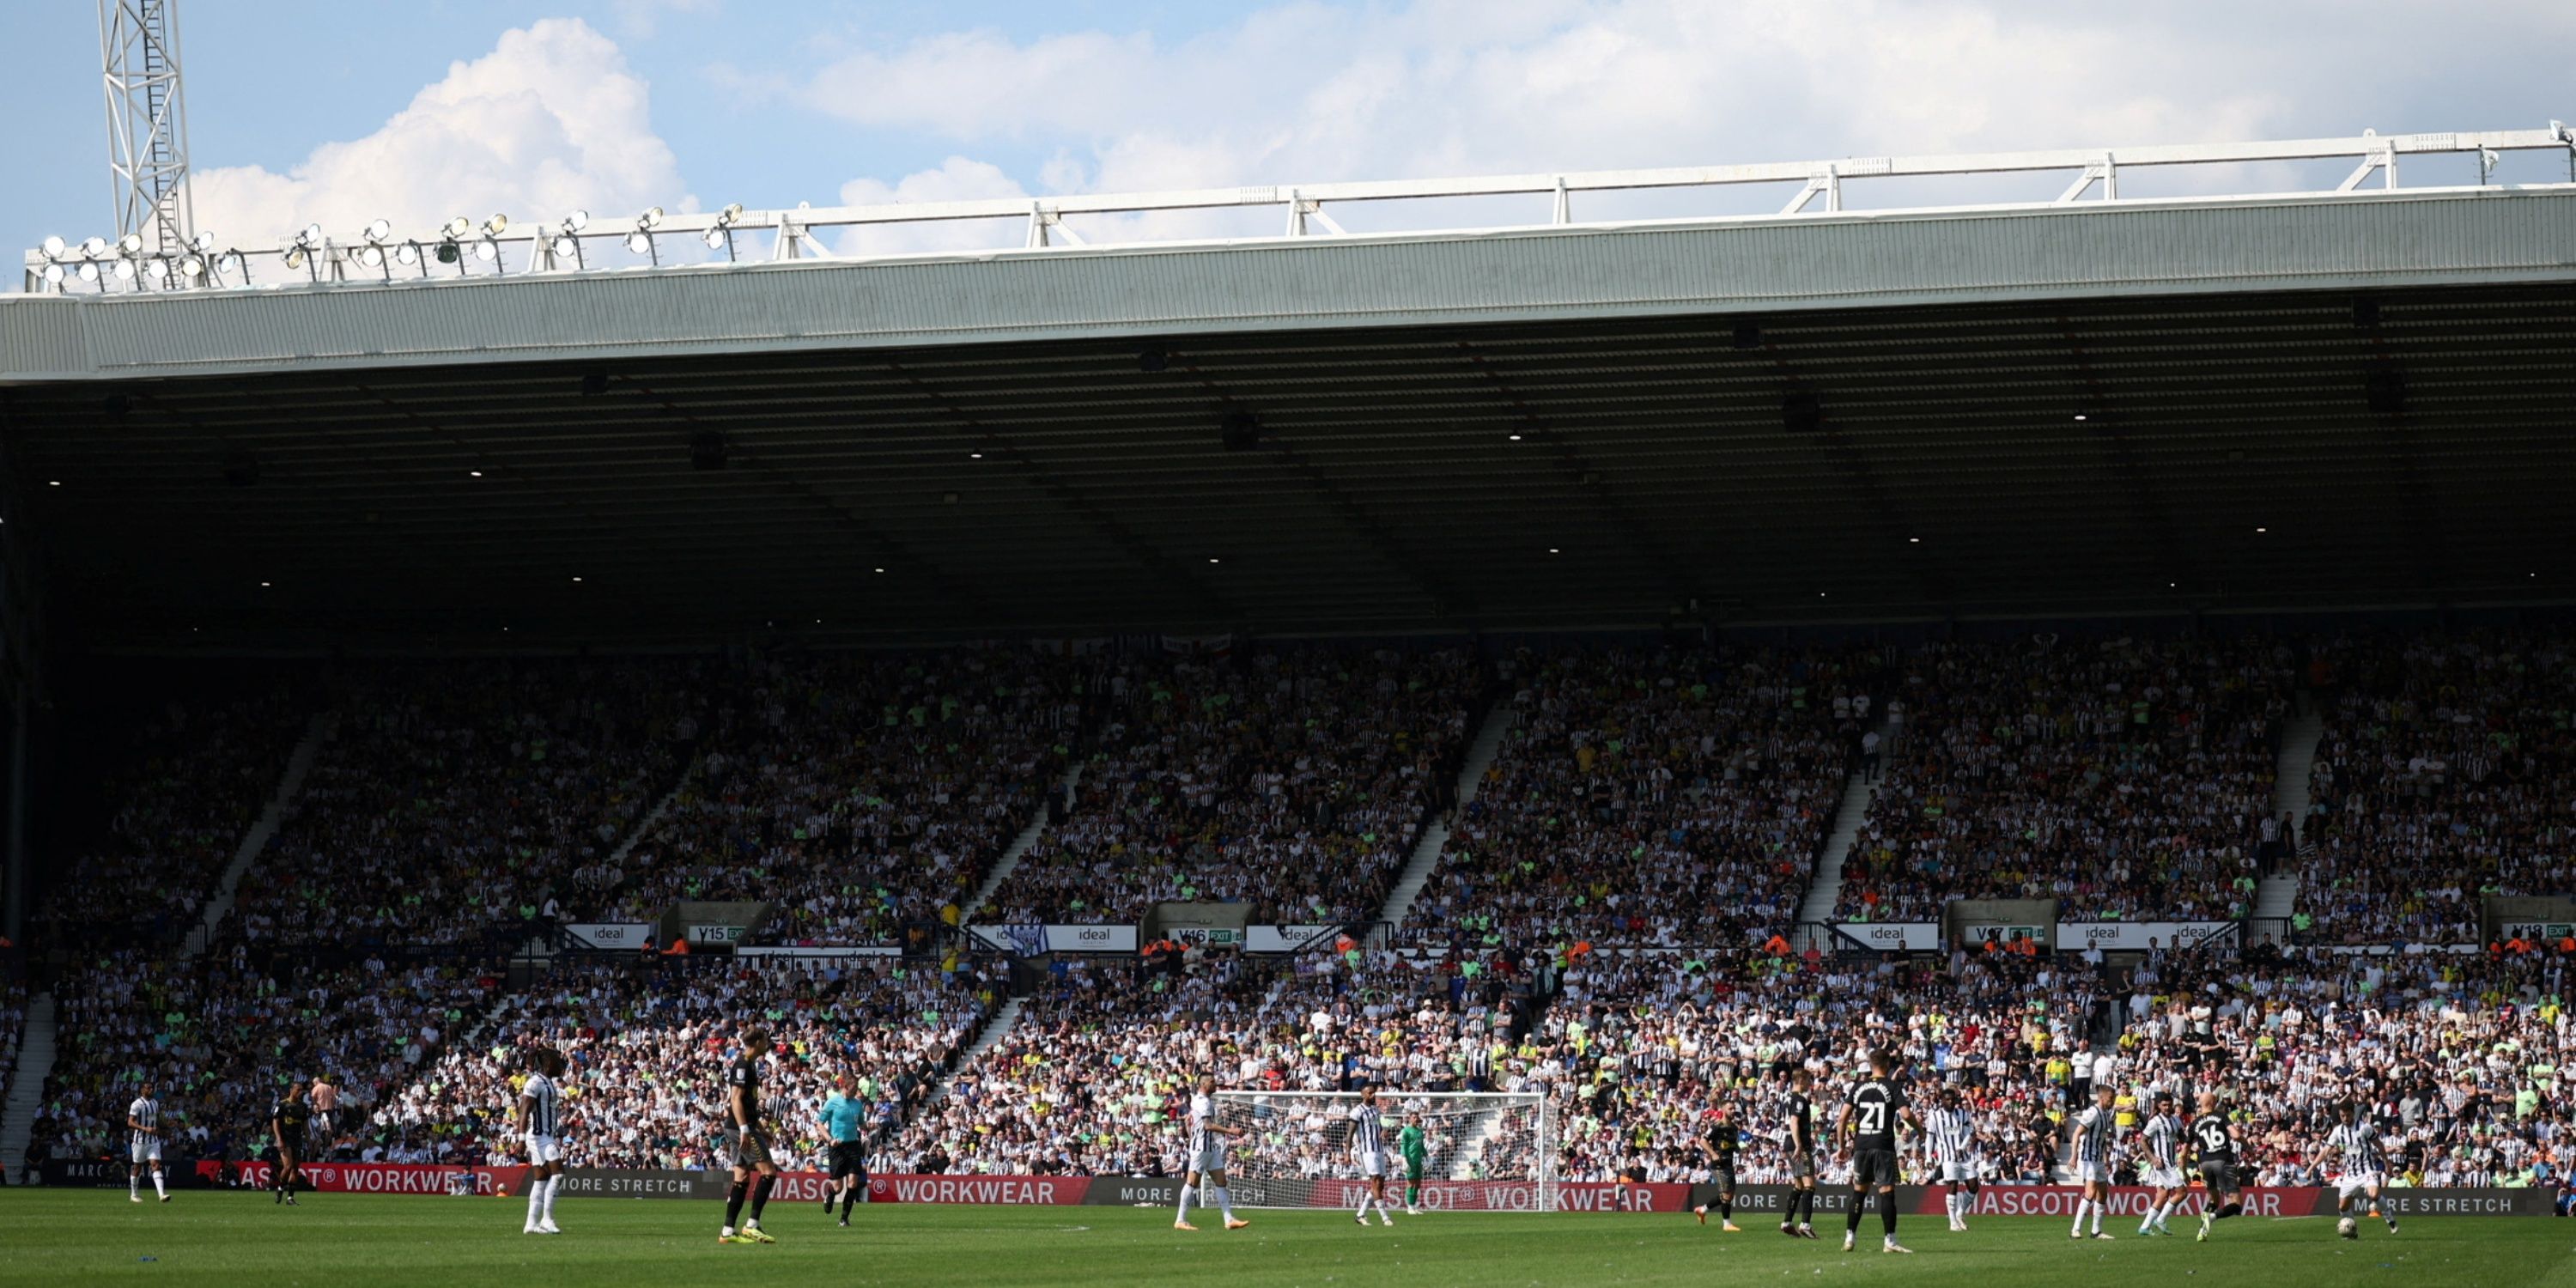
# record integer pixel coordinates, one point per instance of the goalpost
(1484, 1150)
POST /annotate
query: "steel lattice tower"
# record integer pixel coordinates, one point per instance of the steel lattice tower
(147, 121)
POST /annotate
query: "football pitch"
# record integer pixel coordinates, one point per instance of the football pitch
(58, 1237)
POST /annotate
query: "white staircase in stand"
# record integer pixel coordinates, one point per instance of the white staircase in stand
(27, 1083)
(1471, 777)
(1020, 844)
(1004, 1016)
(298, 764)
(542, 949)
(1827, 888)
(2278, 896)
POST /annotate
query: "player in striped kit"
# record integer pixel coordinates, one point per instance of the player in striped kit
(143, 1118)
(540, 1119)
(2356, 1142)
(2163, 1135)
(2093, 1131)
(1207, 1157)
(1368, 1147)
(1952, 1135)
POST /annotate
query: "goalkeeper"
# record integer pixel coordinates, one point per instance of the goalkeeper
(1415, 1147)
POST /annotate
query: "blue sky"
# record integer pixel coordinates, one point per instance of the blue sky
(338, 112)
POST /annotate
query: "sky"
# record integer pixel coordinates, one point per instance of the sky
(311, 111)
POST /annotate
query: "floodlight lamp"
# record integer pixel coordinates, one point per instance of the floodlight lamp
(640, 242)
(409, 254)
(576, 221)
(89, 270)
(496, 225)
(192, 268)
(295, 258)
(54, 248)
(457, 227)
(564, 245)
(157, 269)
(715, 238)
(54, 274)
(94, 247)
(725, 218)
(651, 218)
(485, 249)
(232, 261)
(372, 255)
(202, 242)
(125, 270)
(380, 231)
(130, 244)
(310, 237)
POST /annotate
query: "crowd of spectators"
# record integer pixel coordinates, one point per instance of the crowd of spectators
(1096, 1075)
(647, 1040)
(223, 1035)
(1651, 798)
(2458, 1060)
(196, 778)
(2124, 778)
(450, 800)
(1297, 782)
(859, 794)
(2447, 773)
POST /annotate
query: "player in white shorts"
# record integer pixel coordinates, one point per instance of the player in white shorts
(1368, 1147)
(1207, 1157)
(2163, 1135)
(2093, 1129)
(2358, 1143)
(143, 1118)
(1953, 1137)
(540, 1115)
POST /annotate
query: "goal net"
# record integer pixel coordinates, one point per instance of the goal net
(1491, 1151)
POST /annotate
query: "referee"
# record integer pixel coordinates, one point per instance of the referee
(843, 1115)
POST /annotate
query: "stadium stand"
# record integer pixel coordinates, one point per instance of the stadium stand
(647, 1039)
(2462, 1057)
(1651, 798)
(455, 797)
(1098, 1068)
(2123, 777)
(2447, 773)
(1296, 782)
(861, 794)
(196, 776)
(223, 1037)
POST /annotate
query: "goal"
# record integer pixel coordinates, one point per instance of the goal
(1484, 1150)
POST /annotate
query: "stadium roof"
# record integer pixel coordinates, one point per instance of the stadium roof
(2066, 410)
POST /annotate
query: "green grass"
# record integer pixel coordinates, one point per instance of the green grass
(65, 1237)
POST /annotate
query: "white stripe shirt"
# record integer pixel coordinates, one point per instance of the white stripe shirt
(146, 1113)
(1368, 1131)
(1953, 1135)
(545, 1113)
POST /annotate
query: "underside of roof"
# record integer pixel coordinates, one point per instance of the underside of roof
(2267, 450)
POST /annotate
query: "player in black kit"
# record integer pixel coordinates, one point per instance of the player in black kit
(1799, 1221)
(2213, 1141)
(1868, 1121)
(1724, 1138)
(750, 1142)
(289, 1121)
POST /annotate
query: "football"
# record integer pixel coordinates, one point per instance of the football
(2347, 1229)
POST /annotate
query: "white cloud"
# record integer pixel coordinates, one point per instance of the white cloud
(550, 121)
(1309, 92)
(958, 179)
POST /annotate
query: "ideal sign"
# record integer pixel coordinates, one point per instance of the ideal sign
(1891, 936)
